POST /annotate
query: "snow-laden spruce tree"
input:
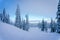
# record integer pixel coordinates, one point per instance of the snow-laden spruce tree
(53, 25)
(24, 25)
(18, 17)
(58, 18)
(43, 25)
(0, 16)
(27, 22)
(5, 17)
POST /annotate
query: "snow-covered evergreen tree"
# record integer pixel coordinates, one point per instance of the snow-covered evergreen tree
(5, 17)
(53, 26)
(43, 25)
(18, 17)
(0, 16)
(58, 18)
(24, 25)
(27, 22)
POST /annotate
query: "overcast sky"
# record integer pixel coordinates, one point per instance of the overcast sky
(36, 9)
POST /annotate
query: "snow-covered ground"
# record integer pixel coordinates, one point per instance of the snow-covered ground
(9, 32)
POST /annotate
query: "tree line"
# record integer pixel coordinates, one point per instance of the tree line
(23, 24)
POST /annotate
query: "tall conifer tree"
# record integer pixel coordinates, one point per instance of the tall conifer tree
(18, 17)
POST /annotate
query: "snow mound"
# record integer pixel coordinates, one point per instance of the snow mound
(9, 32)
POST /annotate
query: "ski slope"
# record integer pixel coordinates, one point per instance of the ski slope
(9, 32)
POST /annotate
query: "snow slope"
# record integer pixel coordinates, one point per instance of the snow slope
(9, 32)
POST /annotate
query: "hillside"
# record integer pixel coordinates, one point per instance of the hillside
(9, 32)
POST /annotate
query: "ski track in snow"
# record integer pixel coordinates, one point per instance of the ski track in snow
(9, 32)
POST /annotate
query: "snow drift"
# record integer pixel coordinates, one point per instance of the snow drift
(9, 32)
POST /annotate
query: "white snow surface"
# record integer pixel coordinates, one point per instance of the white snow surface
(9, 32)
